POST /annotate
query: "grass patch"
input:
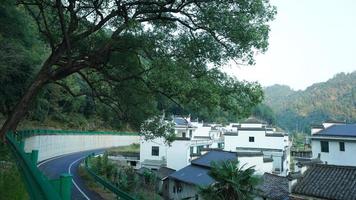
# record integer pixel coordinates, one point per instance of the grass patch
(133, 148)
(12, 186)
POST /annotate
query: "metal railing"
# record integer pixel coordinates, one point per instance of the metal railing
(37, 185)
(120, 194)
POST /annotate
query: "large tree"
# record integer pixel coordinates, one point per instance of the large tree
(157, 47)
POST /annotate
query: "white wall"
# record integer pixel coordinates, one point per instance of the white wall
(178, 155)
(252, 125)
(55, 145)
(146, 149)
(201, 130)
(256, 161)
(335, 156)
(261, 141)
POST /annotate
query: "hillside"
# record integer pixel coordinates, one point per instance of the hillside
(296, 110)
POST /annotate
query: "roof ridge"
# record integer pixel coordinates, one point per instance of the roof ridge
(335, 166)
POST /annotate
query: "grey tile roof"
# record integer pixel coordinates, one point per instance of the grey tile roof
(243, 149)
(163, 172)
(328, 182)
(214, 156)
(193, 174)
(198, 172)
(342, 130)
(273, 187)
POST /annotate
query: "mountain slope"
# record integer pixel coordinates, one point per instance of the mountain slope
(296, 110)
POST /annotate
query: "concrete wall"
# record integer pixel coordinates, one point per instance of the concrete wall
(335, 156)
(55, 145)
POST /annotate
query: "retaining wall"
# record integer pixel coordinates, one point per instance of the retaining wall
(55, 145)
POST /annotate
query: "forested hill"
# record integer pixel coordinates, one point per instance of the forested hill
(296, 110)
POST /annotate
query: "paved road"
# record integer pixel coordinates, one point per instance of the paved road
(54, 167)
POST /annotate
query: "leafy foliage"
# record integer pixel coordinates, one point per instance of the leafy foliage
(115, 64)
(21, 53)
(158, 127)
(297, 110)
(232, 182)
(265, 113)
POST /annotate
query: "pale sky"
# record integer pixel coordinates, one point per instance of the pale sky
(310, 41)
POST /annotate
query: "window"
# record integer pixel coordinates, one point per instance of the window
(199, 148)
(342, 146)
(251, 139)
(324, 146)
(190, 133)
(183, 134)
(155, 151)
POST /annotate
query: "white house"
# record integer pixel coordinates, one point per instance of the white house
(191, 138)
(185, 183)
(255, 136)
(335, 143)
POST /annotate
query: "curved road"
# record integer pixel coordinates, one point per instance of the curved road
(69, 163)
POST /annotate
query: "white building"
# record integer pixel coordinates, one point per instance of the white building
(191, 138)
(255, 136)
(335, 143)
(185, 183)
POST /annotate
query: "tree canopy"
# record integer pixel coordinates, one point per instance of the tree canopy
(232, 182)
(137, 58)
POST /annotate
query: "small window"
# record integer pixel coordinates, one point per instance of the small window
(183, 134)
(190, 133)
(342, 146)
(324, 146)
(155, 151)
(251, 139)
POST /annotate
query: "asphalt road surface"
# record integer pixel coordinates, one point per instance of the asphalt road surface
(69, 164)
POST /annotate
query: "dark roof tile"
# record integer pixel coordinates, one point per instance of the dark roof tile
(273, 187)
(192, 174)
(328, 181)
(214, 156)
(342, 130)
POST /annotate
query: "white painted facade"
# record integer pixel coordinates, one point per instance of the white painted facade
(49, 146)
(257, 161)
(335, 156)
(190, 139)
(340, 148)
(260, 140)
(257, 137)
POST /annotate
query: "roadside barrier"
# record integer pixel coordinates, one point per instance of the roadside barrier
(37, 184)
(119, 193)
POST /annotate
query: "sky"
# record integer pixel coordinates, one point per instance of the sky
(310, 41)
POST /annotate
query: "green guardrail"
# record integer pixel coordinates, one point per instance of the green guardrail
(37, 184)
(29, 133)
(119, 193)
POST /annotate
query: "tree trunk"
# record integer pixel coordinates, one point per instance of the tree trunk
(23, 105)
